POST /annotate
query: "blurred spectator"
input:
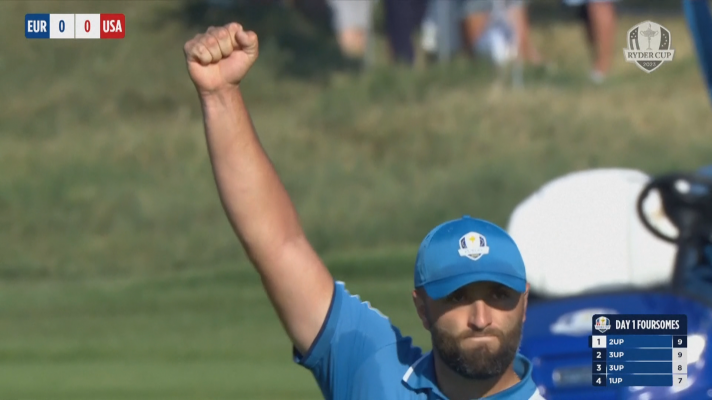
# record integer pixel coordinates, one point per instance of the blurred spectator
(498, 39)
(403, 17)
(519, 16)
(600, 19)
(352, 20)
(498, 29)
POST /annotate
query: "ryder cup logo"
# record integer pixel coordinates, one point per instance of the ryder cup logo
(473, 246)
(603, 324)
(649, 46)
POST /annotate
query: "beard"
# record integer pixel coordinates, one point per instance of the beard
(479, 363)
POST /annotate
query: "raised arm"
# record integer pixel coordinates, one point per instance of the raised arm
(255, 201)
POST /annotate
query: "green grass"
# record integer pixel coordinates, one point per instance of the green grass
(199, 335)
(119, 275)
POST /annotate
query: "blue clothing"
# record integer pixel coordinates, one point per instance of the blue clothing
(360, 355)
(699, 20)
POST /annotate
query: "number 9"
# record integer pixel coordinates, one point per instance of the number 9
(679, 341)
(679, 354)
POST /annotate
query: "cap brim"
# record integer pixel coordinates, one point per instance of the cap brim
(443, 287)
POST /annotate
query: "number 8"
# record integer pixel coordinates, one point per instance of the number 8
(679, 367)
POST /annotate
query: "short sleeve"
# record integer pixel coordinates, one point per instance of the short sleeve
(352, 332)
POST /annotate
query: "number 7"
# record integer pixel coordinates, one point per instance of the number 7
(680, 380)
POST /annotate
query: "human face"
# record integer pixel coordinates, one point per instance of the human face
(476, 330)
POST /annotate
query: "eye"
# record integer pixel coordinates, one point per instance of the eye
(456, 297)
(501, 294)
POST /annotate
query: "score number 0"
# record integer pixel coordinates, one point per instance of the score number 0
(87, 26)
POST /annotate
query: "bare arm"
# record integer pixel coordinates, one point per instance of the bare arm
(256, 203)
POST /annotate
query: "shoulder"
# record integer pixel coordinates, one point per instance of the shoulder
(359, 353)
(382, 375)
(378, 337)
(353, 332)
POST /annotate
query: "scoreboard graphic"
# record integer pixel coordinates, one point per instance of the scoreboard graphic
(75, 26)
(639, 350)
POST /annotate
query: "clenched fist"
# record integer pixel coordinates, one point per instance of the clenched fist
(220, 58)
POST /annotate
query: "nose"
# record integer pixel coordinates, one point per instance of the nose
(480, 315)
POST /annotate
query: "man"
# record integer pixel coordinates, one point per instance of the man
(487, 27)
(471, 290)
(401, 20)
(600, 19)
(478, 17)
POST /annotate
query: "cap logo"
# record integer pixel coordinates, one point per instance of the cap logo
(473, 246)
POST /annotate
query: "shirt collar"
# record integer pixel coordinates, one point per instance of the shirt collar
(421, 377)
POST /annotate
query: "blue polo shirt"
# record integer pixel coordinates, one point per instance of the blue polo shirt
(360, 355)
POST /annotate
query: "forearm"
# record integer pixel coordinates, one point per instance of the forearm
(255, 200)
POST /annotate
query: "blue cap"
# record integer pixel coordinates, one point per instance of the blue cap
(464, 251)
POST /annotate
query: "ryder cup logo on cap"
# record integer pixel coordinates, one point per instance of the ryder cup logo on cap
(445, 258)
(473, 246)
(603, 324)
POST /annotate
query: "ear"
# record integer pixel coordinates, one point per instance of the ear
(422, 309)
(526, 302)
